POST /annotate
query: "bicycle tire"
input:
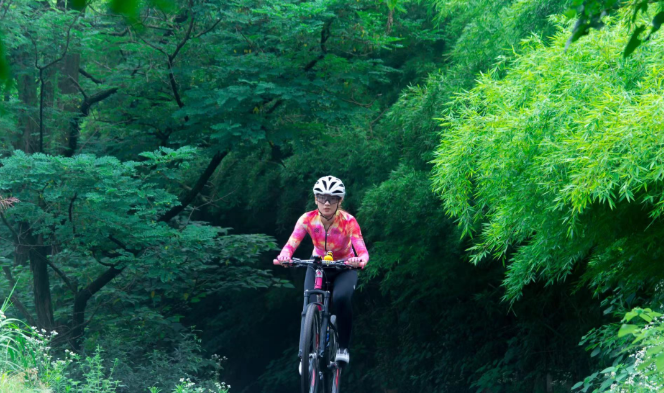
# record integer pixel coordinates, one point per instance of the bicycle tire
(309, 380)
(332, 375)
(335, 377)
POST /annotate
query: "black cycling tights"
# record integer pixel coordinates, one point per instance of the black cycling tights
(343, 285)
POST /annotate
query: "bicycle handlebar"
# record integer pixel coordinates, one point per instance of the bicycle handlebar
(317, 261)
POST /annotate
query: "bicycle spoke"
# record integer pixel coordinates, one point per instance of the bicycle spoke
(311, 342)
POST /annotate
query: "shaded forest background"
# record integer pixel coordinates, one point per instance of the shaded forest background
(509, 190)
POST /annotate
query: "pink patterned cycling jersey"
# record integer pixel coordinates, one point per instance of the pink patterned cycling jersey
(341, 237)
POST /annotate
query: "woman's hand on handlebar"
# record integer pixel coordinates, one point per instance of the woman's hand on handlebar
(356, 262)
(282, 260)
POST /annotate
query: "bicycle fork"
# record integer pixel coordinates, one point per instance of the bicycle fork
(324, 307)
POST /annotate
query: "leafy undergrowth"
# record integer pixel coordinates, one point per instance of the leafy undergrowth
(15, 384)
(636, 349)
(27, 365)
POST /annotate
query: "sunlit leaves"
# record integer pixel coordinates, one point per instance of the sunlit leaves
(547, 164)
(627, 329)
(591, 13)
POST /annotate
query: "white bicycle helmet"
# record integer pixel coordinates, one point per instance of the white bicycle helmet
(330, 185)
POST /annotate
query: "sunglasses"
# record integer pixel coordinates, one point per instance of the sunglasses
(328, 198)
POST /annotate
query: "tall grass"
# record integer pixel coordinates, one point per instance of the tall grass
(23, 354)
(26, 365)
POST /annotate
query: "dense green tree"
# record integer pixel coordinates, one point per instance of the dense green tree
(587, 162)
(90, 219)
(555, 170)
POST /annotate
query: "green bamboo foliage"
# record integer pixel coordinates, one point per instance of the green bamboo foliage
(561, 162)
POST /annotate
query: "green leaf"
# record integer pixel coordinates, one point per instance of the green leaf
(654, 350)
(627, 329)
(570, 13)
(630, 315)
(659, 362)
(577, 385)
(605, 384)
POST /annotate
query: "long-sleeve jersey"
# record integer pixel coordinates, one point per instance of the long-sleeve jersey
(341, 237)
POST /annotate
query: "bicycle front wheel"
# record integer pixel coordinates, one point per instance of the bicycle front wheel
(335, 379)
(311, 341)
(332, 371)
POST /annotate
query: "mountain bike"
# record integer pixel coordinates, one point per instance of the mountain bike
(319, 367)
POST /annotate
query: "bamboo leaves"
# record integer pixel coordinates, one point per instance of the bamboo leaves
(591, 13)
(551, 161)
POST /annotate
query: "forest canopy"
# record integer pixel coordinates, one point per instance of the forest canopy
(503, 159)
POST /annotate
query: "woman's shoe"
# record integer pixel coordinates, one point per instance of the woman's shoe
(342, 355)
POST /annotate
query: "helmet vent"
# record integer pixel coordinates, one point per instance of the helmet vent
(330, 185)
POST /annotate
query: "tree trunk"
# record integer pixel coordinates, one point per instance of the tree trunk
(28, 118)
(81, 302)
(68, 85)
(41, 282)
(49, 76)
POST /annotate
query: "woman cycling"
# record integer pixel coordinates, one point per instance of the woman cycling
(332, 229)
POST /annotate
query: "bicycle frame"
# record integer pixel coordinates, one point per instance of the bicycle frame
(318, 265)
(324, 307)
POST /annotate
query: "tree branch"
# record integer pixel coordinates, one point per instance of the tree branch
(71, 206)
(41, 82)
(102, 95)
(202, 180)
(324, 36)
(92, 78)
(75, 122)
(63, 276)
(174, 87)
(208, 30)
(104, 263)
(187, 35)
(64, 52)
(85, 96)
(9, 3)
(81, 301)
(11, 229)
(153, 46)
(120, 34)
(99, 283)
(275, 106)
(171, 76)
(71, 212)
